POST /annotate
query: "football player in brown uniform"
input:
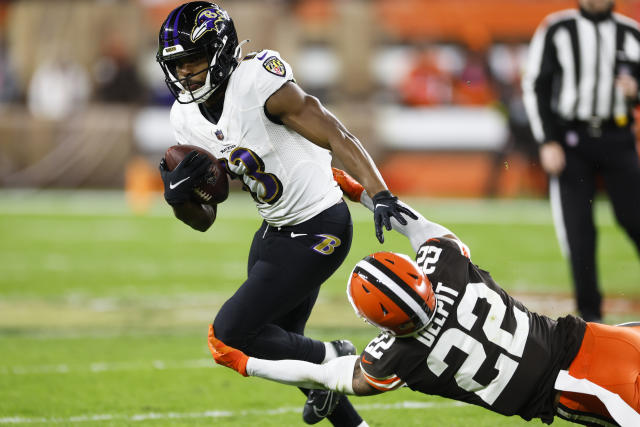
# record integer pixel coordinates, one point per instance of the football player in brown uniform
(447, 328)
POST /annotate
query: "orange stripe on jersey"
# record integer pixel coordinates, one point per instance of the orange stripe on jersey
(364, 359)
(386, 384)
(609, 357)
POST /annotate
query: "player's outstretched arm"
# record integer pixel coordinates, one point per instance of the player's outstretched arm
(341, 374)
(417, 230)
(307, 116)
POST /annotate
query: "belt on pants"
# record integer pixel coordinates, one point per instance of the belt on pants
(596, 125)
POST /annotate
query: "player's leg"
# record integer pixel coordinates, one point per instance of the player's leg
(285, 322)
(254, 250)
(609, 357)
(284, 279)
(571, 201)
(289, 266)
(322, 403)
(622, 180)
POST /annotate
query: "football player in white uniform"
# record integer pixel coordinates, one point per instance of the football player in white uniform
(447, 328)
(249, 112)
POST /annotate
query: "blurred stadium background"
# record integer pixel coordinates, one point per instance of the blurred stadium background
(431, 87)
(101, 323)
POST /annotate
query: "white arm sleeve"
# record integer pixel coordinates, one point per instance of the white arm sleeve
(337, 374)
(417, 231)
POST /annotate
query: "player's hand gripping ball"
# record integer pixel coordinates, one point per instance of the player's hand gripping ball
(211, 189)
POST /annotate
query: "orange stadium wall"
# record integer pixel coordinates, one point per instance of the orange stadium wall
(108, 131)
(462, 174)
(476, 22)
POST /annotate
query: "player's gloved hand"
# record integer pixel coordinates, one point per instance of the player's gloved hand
(180, 182)
(227, 356)
(385, 206)
(349, 186)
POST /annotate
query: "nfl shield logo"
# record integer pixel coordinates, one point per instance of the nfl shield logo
(219, 135)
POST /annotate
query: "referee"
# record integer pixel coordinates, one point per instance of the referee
(580, 88)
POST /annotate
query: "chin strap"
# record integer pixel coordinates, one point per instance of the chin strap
(238, 53)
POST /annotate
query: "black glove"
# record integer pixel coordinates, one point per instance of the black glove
(385, 206)
(180, 182)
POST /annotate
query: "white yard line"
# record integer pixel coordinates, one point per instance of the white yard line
(98, 367)
(217, 413)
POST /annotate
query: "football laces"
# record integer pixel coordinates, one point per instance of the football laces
(203, 194)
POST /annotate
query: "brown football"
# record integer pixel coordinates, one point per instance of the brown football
(216, 188)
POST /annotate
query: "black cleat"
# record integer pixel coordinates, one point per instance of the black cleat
(320, 404)
(344, 347)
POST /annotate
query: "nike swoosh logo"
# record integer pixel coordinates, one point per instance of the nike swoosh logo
(172, 185)
(294, 235)
(380, 204)
(261, 57)
(364, 359)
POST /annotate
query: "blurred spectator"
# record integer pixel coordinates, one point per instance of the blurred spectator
(158, 93)
(474, 86)
(506, 65)
(58, 87)
(426, 83)
(9, 91)
(116, 75)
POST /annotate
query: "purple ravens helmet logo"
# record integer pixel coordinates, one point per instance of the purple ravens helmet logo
(207, 20)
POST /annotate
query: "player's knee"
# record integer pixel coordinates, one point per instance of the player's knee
(231, 335)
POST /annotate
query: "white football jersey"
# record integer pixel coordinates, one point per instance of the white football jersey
(289, 177)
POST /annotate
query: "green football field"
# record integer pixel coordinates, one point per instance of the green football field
(104, 314)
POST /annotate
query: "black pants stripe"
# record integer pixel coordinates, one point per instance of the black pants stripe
(613, 156)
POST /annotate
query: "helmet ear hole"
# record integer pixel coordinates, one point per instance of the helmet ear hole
(384, 310)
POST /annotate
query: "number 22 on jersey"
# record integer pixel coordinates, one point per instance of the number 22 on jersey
(511, 344)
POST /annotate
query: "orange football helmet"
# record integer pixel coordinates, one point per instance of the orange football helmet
(389, 291)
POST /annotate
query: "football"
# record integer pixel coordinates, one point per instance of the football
(216, 188)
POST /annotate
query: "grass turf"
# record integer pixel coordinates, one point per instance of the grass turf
(103, 313)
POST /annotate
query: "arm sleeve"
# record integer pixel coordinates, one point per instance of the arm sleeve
(337, 374)
(417, 231)
(537, 85)
(631, 46)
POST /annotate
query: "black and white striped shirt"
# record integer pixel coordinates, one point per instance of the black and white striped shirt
(573, 62)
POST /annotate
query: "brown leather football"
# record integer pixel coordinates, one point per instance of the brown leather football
(212, 191)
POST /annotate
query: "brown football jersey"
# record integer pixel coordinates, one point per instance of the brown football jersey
(482, 347)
